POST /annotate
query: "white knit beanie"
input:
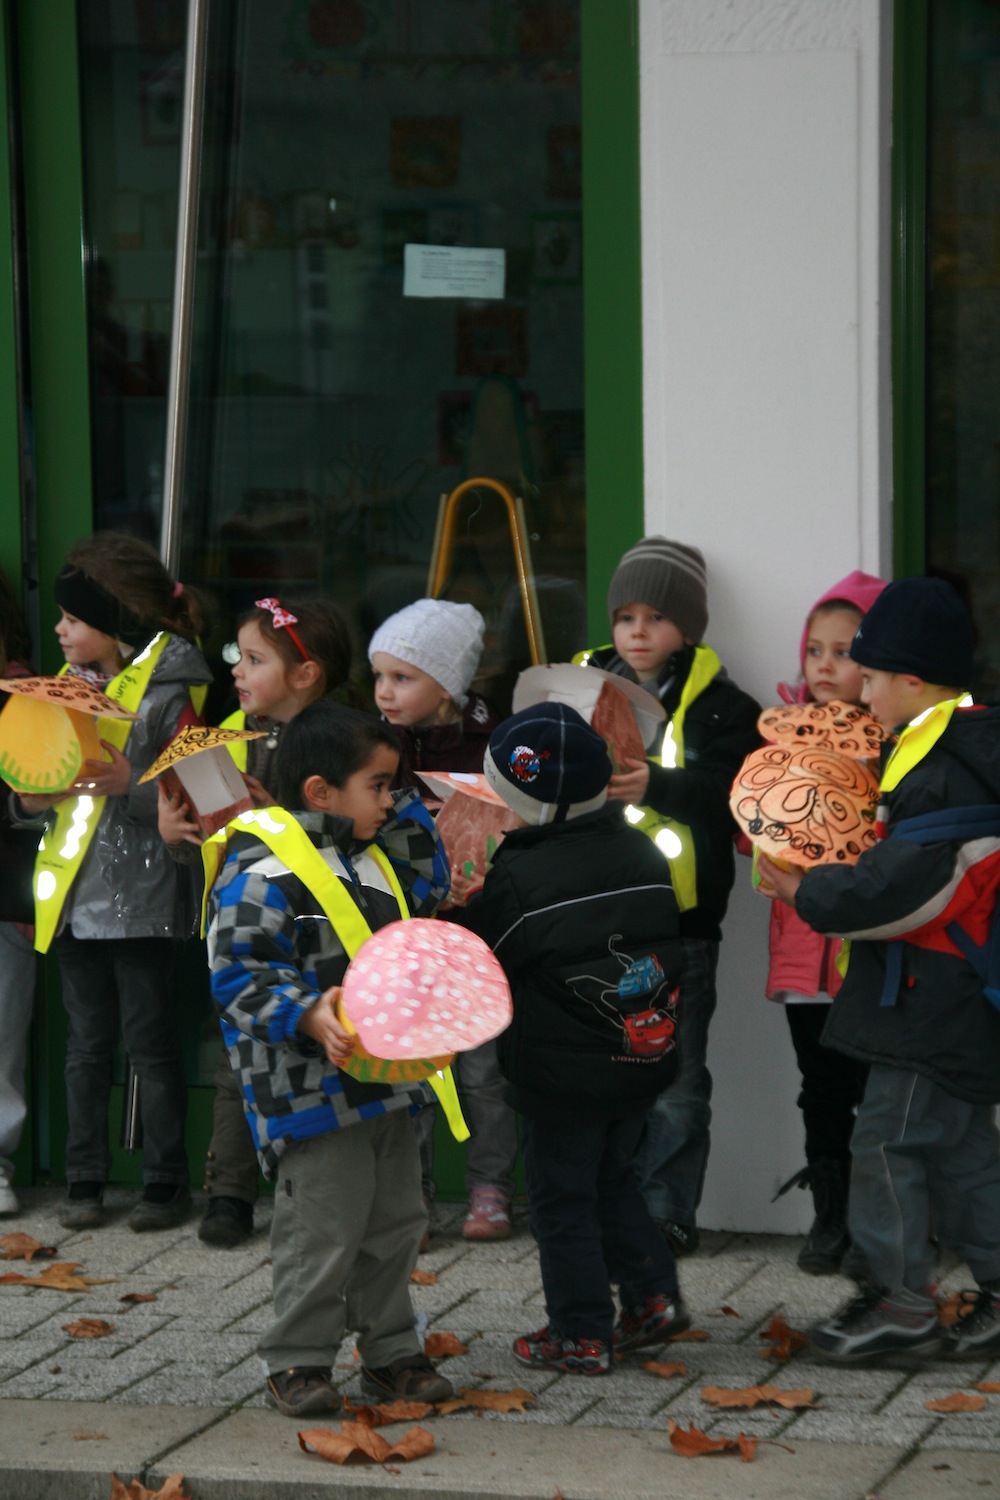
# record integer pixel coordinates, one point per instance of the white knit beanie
(443, 639)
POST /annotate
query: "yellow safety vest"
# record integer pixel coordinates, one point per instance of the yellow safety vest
(237, 748)
(64, 844)
(672, 838)
(286, 838)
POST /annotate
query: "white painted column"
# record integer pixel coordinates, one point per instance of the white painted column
(765, 160)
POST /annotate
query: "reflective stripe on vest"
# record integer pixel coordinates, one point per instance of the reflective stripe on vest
(237, 748)
(61, 850)
(288, 840)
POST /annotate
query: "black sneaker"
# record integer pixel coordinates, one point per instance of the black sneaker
(976, 1334)
(548, 1348)
(410, 1379)
(876, 1326)
(162, 1206)
(84, 1206)
(302, 1391)
(683, 1239)
(650, 1322)
(824, 1249)
(228, 1222)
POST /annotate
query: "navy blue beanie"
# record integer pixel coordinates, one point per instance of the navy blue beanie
(919, 626)
(548, 764)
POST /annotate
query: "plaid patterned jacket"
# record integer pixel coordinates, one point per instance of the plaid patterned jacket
(271, 954)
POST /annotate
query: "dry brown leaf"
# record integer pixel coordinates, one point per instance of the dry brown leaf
(666, 1370)
(515, 1400)
(19, 1246)
(440, 1345)
(87, 1437)
(959, 1401)
(171, 1489)
(730, 1312)
(691, 1442)
(58, 1278)
(138, 1297)
(992, 1387)
(355, 1440)
(951, 1308)
(382, 1413)
(784, 1341)
(423, 1278)
(757, 1395)
(88, 1328)
(688, 1336)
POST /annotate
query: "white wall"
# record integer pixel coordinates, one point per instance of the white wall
(764, 158)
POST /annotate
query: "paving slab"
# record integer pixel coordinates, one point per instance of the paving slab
(256, 1456)
(945, 1476)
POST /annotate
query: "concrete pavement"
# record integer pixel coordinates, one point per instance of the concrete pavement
(177, 1388)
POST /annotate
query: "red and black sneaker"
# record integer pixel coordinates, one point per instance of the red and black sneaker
(548, 1348)
(650, 1322)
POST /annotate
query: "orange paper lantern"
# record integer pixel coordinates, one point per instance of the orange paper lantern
(847, 728)
(49, 727)
(805, 805)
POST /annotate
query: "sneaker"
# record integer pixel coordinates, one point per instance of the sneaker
(8, 1198)
(683, 1239)
(163, 1205)
(548, 1348)
(228, 1222)
(84, 1206)
(411, 1379)
(824, 1249)
(302, 1391)
(489, 1214)
(976, 1334)
(650, 1322)
(876, 1325)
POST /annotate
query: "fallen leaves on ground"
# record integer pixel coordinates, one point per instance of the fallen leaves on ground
(90, 1437)
(992, 1387)
(59, 1277)
(88, 1328)
(691, 1442)
(171, 1489)
(423, 1278)
(380, 1414)
(730, 1312)
(355, 1440)
(757, 1395)
(783, 1340)
(138, 1297)
(440, 1345)
(515, 1400)
(19, 1246)
(958, 1401)
(689, 1336)
(665, 1369)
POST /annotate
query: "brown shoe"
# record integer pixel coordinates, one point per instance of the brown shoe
(302, 1391)
(412, 1379)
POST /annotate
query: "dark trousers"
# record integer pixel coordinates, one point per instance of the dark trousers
(590, 1221)
(107, 983)
(833, 1085)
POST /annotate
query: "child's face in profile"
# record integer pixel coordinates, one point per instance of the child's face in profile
(406, 696)
(83, 646)
(365, 797)
(645, 638)
(262, 677)
(829, 671)
(889, 696)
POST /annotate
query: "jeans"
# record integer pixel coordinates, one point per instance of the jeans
(492, 1149)
(126, 979)
(590, 1222)
(673, 1153)
(17, 997)
(923, 1160)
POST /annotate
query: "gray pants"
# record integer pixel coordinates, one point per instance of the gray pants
(492, 1149)
(348, 1221)
(923, 1160)
(17, 998)
(231, 1166)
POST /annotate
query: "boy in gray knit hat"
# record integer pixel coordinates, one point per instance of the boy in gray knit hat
(679, 796)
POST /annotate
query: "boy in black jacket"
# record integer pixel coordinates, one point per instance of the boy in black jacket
(924, 1148)
(579, 910)
(679, 796)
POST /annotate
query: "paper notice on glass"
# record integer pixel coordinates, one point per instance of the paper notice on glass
(452, 271)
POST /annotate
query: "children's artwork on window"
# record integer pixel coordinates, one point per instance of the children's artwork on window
(805, 805)
(847, 728)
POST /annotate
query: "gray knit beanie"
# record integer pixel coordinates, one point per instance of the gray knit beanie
(669, 577)
(443, 639)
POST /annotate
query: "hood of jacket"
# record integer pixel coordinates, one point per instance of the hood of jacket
(858, 589)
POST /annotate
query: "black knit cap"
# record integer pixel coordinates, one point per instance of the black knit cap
(919, 626)
(548, 764)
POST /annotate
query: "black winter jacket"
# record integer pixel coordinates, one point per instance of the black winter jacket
(941, 1025)
(569, 909)
(720, 731)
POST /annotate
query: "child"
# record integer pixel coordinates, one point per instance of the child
(348, 1215)
(17, 949)
(659, 611)
(912, 1006)
(424, 658)
(579, 911)
(803, 974)
(111, 898)
(289, 656)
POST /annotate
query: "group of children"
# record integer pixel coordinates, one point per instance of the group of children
(603, 905)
